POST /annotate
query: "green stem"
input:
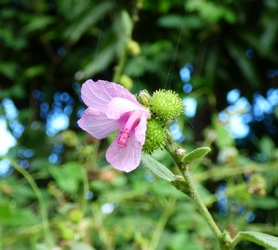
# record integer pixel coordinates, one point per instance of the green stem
(36, 190)
(161, 224)
(199, 202)
(85, 189)
(234, 241)
(120, 67)
(191, 191)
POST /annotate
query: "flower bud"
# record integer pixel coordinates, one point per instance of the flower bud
(257, 185)
(181, 153)
(126, 82)
(155, 136)
(66, 232)
(75, 215)
(166, 104)
(144, 98)
(133, 48)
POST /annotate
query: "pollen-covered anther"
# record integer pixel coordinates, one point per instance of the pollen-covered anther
(123, 137)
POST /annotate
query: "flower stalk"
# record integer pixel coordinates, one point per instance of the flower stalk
(186, 185)
(38, 193)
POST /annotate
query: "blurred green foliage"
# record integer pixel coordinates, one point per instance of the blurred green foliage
(50, 45)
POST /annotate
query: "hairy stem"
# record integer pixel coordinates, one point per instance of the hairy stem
(189, 189)
(38, 193)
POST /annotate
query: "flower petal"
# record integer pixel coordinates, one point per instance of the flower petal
(140, 130)
(125, 159)
(98, 94)
(97, 123)
(119, 106)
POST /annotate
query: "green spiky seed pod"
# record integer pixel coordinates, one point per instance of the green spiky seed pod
(155, 136)
(166, 104)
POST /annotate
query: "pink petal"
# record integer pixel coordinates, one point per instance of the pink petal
(140, 130)
(97, 123)
(119, 106)
(98, 94)
(125, 159)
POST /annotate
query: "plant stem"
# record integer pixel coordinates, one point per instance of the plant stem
(85, 189)
(199, 202)
(38, 193)
(120, 67)
(234, 241)
(189, 189)
(161, 223)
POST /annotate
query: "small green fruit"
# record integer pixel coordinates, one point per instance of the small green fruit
(155, 136)
(126, 81)
(75, 215)
(166, 104)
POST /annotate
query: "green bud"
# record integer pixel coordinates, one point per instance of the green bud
(133, 48)
(257, 185)
(75, 215)
(66, 232)
(166, 104)
(155, 136)
(69, 138)
(144, 98)
(126, 81)
(226, 237)
(181, 153)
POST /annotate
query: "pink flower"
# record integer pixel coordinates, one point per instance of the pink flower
(112, 108)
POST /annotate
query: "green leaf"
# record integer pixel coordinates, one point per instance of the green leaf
(265, 240)
(267, 146)
(34, 71)
(12, 217)
(67, 176)
(247, 66)
(87, 21)
(224, 138)
(157, 168)
(8, 69)
(127, 23)
(266, 203)
(195, 154)
(38, 23)
(81, 245)
(171, 21)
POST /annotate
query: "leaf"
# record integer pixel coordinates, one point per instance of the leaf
(170, 21)
(86, 21)
(224, 138)
(8, 69)
(195, 154)
(35, 71)
(12, 217)
(268, 37)
(247, 66)
(127, 23)
(267, 146)
(157, 168)
(38, 23)
(262, 239)
(81, 245)
(266, 203)
(67, 176)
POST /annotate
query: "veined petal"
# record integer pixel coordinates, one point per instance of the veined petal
(97, 123)
(119, 106)
(125, 159)
(140, 130)
(98, 94)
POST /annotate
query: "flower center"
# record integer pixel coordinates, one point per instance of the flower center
(126, 131)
